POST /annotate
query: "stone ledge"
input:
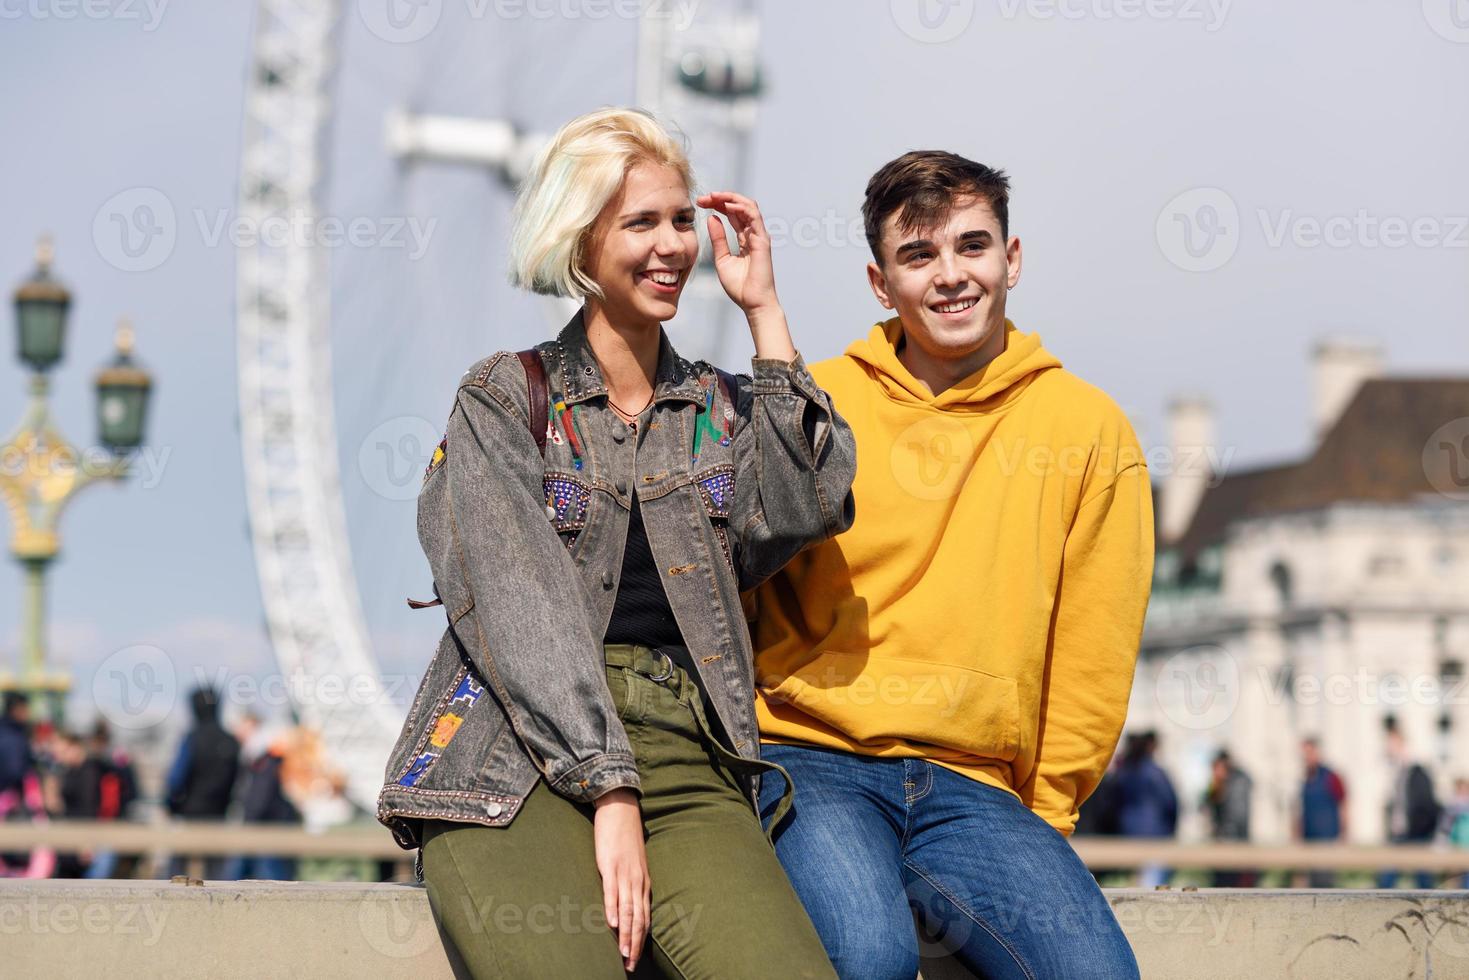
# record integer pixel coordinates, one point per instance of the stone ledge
(249, 929)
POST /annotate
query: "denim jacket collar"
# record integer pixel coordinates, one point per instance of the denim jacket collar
(581, 378)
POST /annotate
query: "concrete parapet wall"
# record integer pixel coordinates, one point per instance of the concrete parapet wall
(251, 929)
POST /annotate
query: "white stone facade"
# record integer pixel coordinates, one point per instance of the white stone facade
(1322, 623)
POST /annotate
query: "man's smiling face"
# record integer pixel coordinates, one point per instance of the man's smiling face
(948, 280)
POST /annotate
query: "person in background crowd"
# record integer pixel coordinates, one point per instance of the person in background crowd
(1323, 814)
(262, 799)
(202, 778)
(1227, 801)
(79, 786)
(117, 788)
(1098, 815)
(16, 758)
(1148, 805)
(21, 794)
(1453, 829)
(1413, 810)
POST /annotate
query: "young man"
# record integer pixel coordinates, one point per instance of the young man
(947, 680)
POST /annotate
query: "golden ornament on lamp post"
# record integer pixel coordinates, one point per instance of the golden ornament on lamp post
(40, 471)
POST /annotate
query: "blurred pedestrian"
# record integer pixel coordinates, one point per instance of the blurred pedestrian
(16, 758)
(78, 780)
(1227, 802)
(1147, 804)
(262, 799)
(1453, 828)
(22, 798)
(1413, 810)
(1322, 813)
(117, 788)
(202, 779)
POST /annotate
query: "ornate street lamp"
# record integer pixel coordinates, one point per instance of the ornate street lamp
(40, 472)
(40, 313)
(122, 396)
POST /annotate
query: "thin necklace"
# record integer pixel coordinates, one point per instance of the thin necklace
(627, 416)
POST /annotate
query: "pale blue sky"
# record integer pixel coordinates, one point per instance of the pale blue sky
(1295, 113)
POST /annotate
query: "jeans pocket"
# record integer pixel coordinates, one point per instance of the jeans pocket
(626, 689)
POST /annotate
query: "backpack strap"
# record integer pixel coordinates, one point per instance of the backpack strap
(537, 391)
(727, 388)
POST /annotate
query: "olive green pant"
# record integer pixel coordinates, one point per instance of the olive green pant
(525, 900)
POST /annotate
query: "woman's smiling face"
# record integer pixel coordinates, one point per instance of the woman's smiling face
(644, 246)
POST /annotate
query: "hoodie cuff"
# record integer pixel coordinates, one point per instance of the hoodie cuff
(773, 376)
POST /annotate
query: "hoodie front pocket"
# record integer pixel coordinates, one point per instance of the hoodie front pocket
(880, 701)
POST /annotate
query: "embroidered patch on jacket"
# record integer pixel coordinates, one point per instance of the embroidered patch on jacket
(441, 452)
(566, 502)
(417, 768)
(717, 489)
(443, 728)
(468, 691)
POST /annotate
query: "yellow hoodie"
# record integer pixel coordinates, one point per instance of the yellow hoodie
(985, 609)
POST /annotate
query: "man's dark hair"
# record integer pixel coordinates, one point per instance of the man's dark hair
(921, 187)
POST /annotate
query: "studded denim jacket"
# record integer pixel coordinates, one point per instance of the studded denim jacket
(526, 552)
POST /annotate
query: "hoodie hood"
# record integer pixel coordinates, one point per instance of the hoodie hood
(985, 390)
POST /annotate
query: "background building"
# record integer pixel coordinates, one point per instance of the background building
(1320, 596)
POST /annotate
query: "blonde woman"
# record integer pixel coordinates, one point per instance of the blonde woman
(580, 767)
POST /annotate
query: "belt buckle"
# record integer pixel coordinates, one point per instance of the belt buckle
(668, 671)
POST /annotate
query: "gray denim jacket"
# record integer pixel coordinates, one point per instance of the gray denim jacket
(526, 553)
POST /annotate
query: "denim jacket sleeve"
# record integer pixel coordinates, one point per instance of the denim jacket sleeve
(529, 637)
(795, 459)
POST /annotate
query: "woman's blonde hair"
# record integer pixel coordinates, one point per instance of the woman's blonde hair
(571, 180)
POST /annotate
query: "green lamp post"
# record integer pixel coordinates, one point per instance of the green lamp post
(40, 472)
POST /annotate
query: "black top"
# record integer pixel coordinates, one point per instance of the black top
(642, 615)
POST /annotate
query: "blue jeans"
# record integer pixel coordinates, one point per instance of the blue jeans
(871, 842)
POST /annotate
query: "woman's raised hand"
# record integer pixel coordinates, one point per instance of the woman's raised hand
(617, 835)
(748, 278)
